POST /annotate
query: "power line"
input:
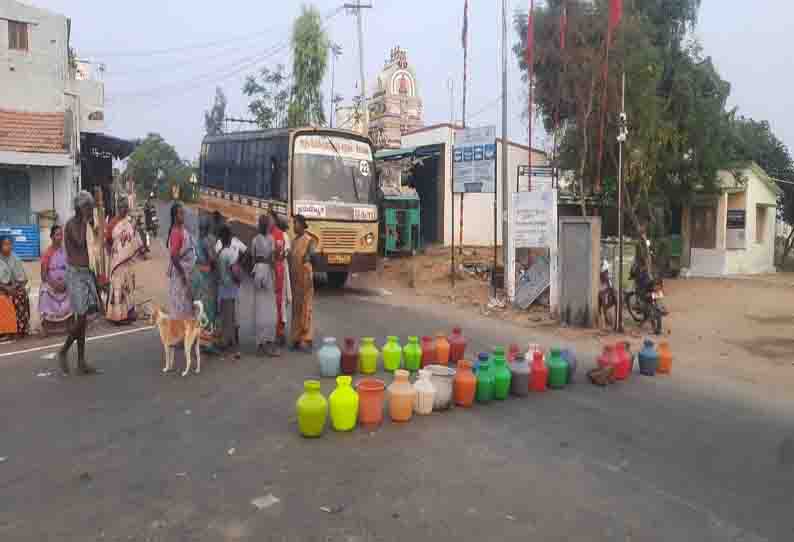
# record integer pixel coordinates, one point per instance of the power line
(175, 66)
(180, 49)
(203, 79)
(213, 77)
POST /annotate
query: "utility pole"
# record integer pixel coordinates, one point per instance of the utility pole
(505, 187)
(336, 52)
(357, 7)
(623, 133)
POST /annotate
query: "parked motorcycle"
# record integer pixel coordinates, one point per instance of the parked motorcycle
(645, 302)
(152, 221)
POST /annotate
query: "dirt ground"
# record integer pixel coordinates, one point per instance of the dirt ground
(741, 327)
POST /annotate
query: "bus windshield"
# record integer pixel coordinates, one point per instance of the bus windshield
(332, 169)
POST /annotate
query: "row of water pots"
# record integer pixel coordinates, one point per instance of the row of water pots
(437, 387)
(650, 360)
(353, 358)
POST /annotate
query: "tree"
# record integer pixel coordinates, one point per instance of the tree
(675, 99)
(153, 158)
(214, 118)
(310, 46)
(270, 95)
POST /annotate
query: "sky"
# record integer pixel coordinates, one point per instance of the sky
(164, 58)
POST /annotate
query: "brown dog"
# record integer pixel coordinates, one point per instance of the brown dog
(172, 332)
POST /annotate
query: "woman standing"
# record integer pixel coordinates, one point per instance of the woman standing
(280, 277)
(124, 245)
(183, 258)
(14, 302)
(229, 277)
(205, 276)
(302, 280)
(265, 314)
(54, 305)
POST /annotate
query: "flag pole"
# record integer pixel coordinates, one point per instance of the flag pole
(465, 39)
(622, 134)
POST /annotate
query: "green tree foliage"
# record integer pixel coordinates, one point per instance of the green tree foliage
(270, 95)
(679, 128)
(310, 47)
(214, 118)
(152, 156)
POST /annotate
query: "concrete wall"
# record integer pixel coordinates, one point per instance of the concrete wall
(755, 257)
(91, 102)
(34, 80)
(478, 227)
(41, 182)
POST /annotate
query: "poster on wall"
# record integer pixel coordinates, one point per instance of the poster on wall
(474, 160)
(735, 237)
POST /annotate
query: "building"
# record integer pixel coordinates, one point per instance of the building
(395, 108)
(51, 118)
(732, 232)
(433, 183)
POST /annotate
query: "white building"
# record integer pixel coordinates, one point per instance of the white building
(478, 209)
(51, 118)
(732, 232)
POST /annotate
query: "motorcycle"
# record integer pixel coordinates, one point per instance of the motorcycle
(645, 302)
(152, 228)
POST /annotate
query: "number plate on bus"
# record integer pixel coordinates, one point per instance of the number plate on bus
(364, 213)
(338, 259)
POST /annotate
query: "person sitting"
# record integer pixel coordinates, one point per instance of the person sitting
(54, 306)
(14, 302)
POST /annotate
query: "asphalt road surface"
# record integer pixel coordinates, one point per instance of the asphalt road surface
(135, 455)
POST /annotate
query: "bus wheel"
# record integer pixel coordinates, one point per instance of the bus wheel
(337, 279)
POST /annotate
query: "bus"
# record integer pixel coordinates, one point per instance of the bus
(325, 174)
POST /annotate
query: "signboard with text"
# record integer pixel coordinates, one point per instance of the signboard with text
(532, 218)
(474, 160)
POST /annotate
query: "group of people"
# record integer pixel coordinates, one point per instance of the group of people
(210, 269)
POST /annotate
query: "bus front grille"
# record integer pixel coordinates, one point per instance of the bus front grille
(338, 239)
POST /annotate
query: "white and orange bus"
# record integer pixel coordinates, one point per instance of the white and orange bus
(324, 174)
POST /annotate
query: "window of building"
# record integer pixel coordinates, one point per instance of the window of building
(18, 36)
(760, 224)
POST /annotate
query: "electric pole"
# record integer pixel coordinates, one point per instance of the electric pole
(336, 52)
(357, 7)
(505, 150)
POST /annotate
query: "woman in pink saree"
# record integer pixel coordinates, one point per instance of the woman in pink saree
(54, 306)
(124, 244)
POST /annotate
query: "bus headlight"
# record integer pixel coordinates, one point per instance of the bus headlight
(369, 239)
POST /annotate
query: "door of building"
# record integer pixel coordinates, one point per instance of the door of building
(14, 197)
(704, 227)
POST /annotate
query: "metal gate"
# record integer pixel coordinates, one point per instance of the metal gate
(14, 197)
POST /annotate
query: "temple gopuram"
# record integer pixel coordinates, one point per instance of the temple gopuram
(395, 107)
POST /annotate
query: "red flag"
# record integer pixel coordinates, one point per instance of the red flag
(464, 37)
(563, 24)
(615, 15)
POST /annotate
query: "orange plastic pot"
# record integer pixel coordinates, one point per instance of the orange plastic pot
(370, 401)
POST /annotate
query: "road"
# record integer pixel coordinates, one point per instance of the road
(136, 455)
